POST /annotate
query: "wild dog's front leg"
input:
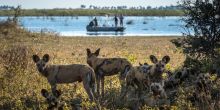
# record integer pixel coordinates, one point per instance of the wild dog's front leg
(103, 85)
(100, 77)
(53, 85)
(98, 84)
(86, 85)
(122, 77)
(124, 93)
(124, 88)
(53, 88)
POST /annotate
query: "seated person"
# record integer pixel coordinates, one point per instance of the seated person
(91, 23)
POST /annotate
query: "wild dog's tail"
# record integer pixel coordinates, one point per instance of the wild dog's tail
(91, 80)
(124, 87)
(125, 71)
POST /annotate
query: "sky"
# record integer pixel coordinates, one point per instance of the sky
(49, 4)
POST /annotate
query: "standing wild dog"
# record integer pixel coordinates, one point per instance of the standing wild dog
(137, 84)
(57, 74)
(107, 67)
(137, 78)
(158, 68)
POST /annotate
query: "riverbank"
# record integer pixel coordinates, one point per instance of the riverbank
(92, 12)
(20, 82)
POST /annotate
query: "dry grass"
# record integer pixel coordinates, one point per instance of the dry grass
(22, 90)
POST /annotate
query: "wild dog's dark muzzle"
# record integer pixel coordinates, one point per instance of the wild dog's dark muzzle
(159, 71)
(155, 89)
(156, 92)
(40, 69)
(53, 103)
(145, 70)
(89, 63)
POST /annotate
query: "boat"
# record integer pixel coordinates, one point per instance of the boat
(105, 28)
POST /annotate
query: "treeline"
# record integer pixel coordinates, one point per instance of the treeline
(171, 7)
(6, 7)
(92, 12)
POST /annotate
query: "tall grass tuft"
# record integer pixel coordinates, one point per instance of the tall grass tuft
(15, 59)
(16, 90)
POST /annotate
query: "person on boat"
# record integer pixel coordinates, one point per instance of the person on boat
(116, 21)
(95, 22)
(121, 18)
(106, 21)
(91, 23)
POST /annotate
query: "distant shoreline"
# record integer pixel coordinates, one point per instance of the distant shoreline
(147, 37)
(93, 12)
(131, 35)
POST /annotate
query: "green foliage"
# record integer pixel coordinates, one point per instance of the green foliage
(203, 19)
(132, 58)
(201, 43)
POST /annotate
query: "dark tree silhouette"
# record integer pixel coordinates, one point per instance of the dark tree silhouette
(17, 13)
(201, 43)
(202, 18)
(83, 6)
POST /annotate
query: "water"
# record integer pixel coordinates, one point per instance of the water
(76, 26)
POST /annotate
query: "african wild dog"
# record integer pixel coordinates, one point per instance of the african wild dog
(52, 99)
(176, 78)
(173, 81)
(138, 78)
(107, 67)
(158, 90)
(57, 74)
(156, 79)
(158, 96)
(137, 75)
(158, 68)
(184, 76)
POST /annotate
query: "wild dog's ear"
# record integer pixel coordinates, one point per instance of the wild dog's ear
(44, 93)
(140, 64)
(57, 93)
(46, 57)
(145, 64)
(88, 51)
(153, 59)
(97, 52)
(166, 59)
(35, 58)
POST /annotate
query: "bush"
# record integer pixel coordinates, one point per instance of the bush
(14, 59)
(201, 17)
(14, 86)
(203, 36)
